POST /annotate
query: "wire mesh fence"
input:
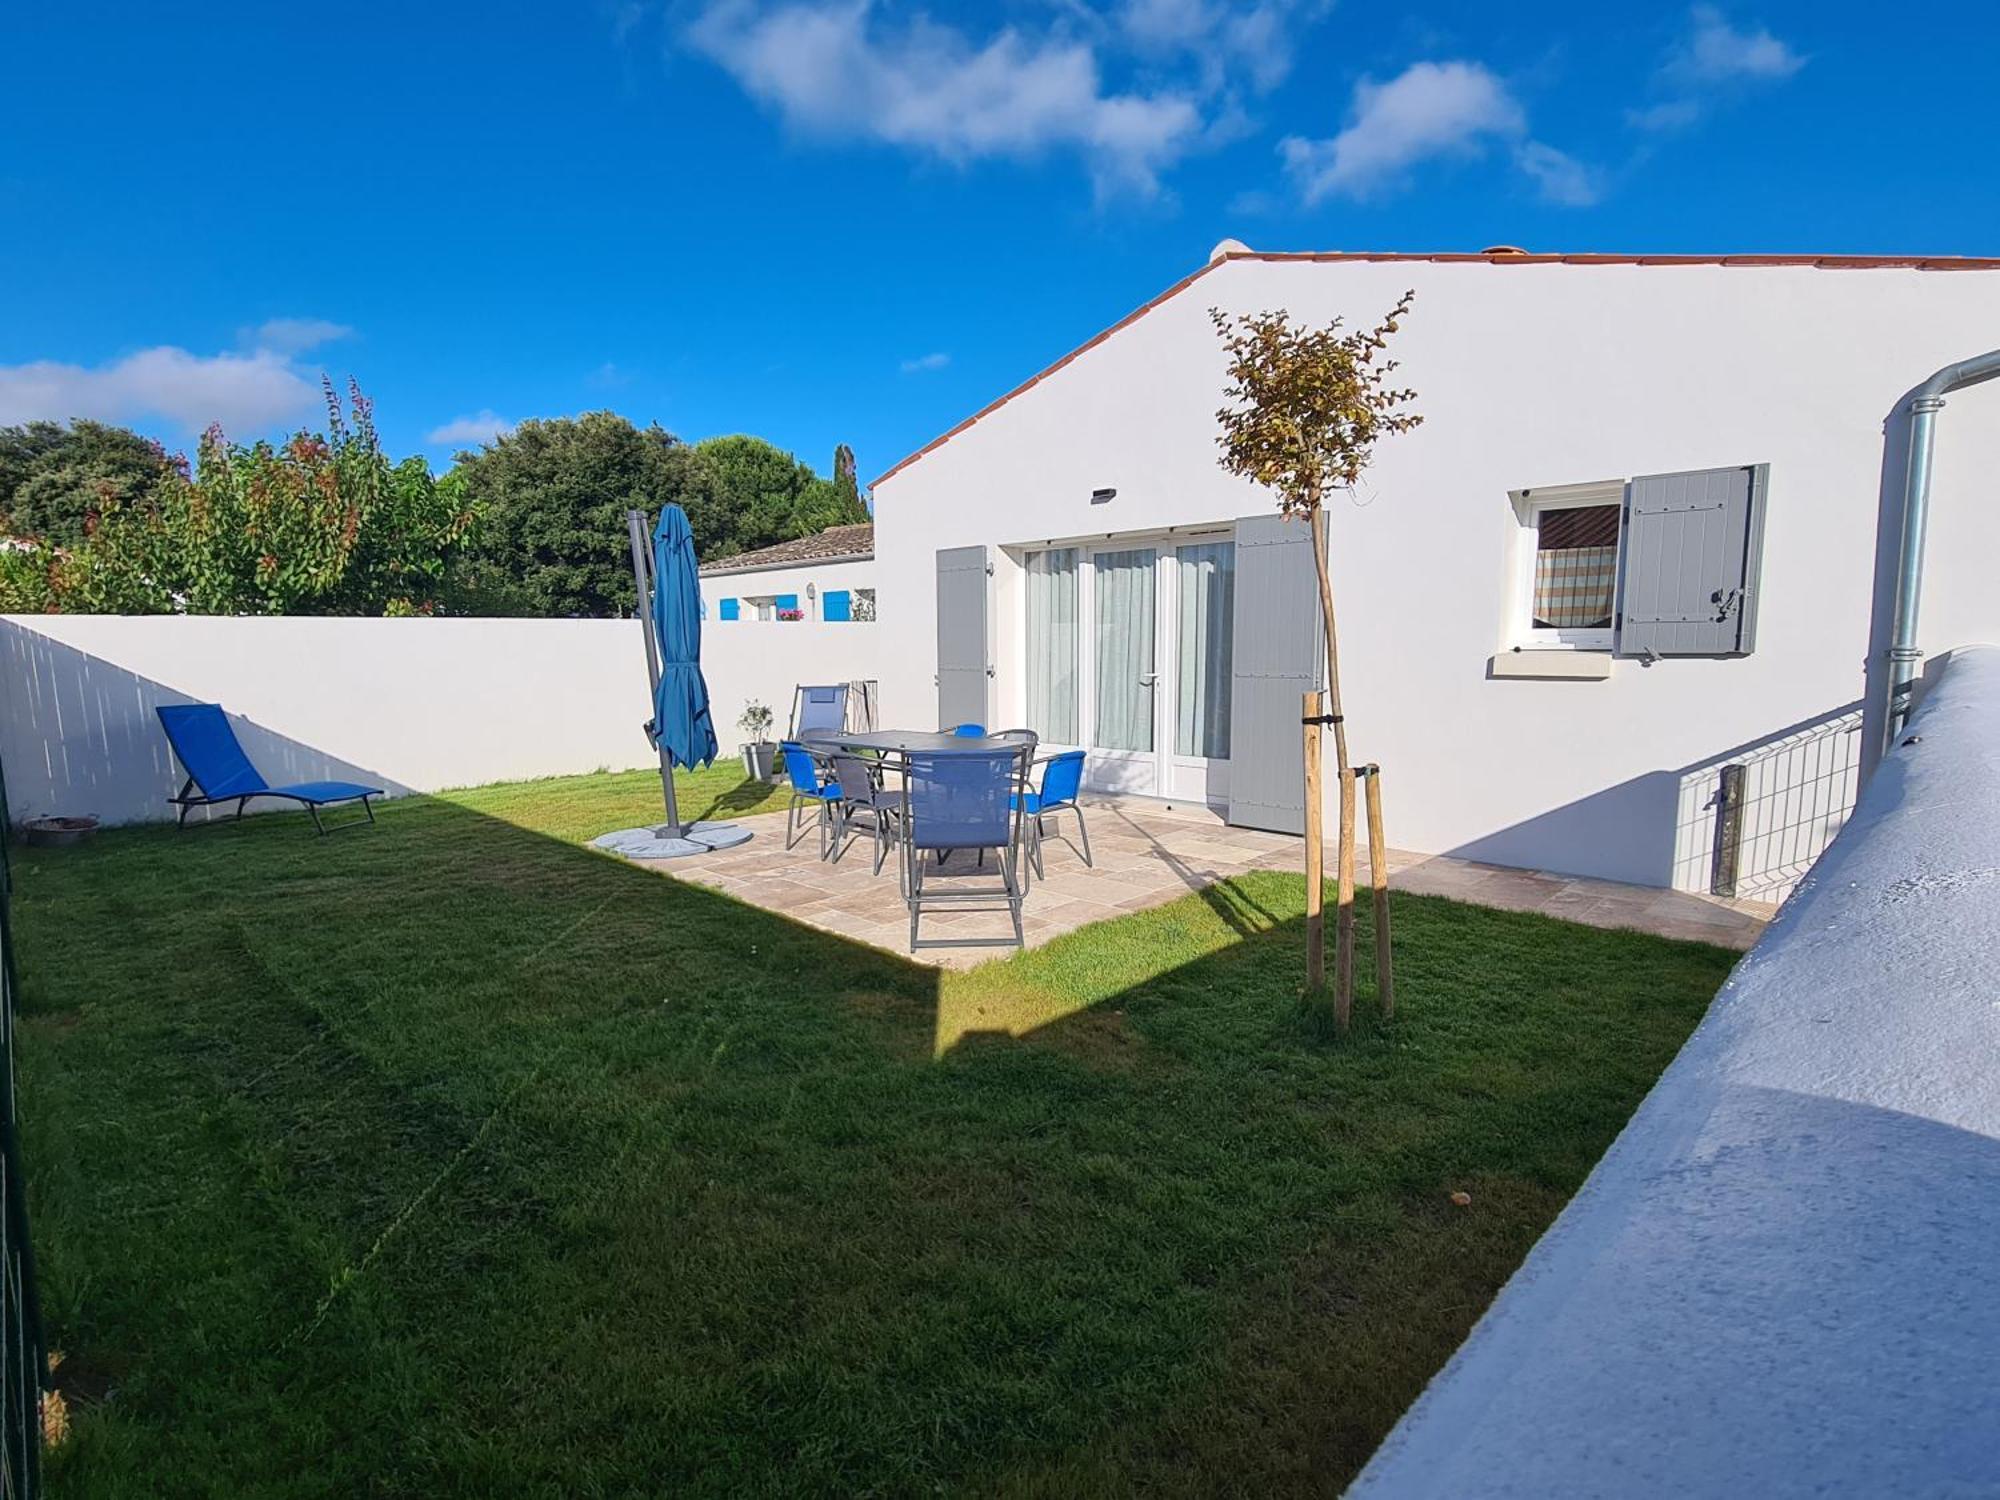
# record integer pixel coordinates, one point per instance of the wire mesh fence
(23, 1357)
(1751, 824)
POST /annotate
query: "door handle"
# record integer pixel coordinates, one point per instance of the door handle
(1148, 679)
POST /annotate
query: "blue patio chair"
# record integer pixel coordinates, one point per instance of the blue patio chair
(219, 771)
(969, 731)
(862, 795)
(963, 799)
(818, 708)
(1062, 780)
(808, 789)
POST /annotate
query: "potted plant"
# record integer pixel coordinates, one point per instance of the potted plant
(759, 754)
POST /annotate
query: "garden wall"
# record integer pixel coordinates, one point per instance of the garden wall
(409, 705)
(1779, 1280)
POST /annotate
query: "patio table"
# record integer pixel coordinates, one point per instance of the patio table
(892, 746)
(903, 741)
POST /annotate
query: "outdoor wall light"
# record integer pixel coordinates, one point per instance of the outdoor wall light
(1101, 497)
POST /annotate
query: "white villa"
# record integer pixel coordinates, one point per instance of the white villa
(1647, 530)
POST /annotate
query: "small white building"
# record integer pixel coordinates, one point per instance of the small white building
(1647, 530)
(800, 612)
(828, 576)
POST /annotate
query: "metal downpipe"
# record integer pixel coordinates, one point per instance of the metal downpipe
(1904, 655)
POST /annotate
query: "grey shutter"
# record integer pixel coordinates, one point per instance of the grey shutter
(1275, 657)
(962, 667)
(1692, 551)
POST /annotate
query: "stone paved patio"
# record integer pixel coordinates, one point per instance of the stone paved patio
(1148, 853)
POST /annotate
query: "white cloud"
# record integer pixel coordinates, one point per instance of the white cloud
(829, 68)
(925, 362)
(460, 432)
(1669, 114)
(244, 392)
(294, 335)
(1430, 109)
(1256, 39)
(1560, 177)
(1712, 60)
(1716, 52)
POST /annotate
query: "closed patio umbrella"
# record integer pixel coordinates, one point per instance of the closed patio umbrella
(681, 729)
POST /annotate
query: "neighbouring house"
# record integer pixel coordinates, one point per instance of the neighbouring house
(828, 576)
(800, 612)
(1637, 564)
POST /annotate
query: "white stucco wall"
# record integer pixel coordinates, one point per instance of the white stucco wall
(1530, 376)
(411, 705)
(1779, 1280)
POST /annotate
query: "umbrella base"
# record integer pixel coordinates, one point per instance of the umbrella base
(660, 841)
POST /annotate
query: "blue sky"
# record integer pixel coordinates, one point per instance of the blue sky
(828, 220)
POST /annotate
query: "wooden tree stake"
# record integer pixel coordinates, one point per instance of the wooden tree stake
(1311, 709)
(1343, 929)
(1378, 885)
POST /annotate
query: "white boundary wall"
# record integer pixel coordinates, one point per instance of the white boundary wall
(409, 705)
(1779, 1280)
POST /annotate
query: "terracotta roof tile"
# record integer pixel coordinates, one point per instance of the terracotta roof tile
(836, 542)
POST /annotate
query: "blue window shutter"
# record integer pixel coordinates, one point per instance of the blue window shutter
(1688, 579)
(729, 608)
(785, 601)
(833, 605)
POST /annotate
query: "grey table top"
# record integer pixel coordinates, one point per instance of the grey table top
(904, 741)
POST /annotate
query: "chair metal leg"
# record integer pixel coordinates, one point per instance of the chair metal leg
(1077, 808)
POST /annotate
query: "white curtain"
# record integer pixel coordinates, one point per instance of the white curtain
(1052, 645)
(1207, 622)
(1125, 649)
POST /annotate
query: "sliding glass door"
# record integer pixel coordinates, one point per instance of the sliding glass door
(1125, 732)
(1053, 668)
(1206, 586)
(1128, 655)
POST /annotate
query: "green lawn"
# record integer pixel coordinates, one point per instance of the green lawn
(449, 1158)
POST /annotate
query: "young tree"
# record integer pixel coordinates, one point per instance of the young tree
(1306, 406)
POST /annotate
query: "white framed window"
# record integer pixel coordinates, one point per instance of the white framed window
(864, 604)
(1565, 584)
(762, 607)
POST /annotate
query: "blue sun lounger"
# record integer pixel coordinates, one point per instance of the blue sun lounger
(219, 771)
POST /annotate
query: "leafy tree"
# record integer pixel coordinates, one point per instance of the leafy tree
(323, 524)
(769, 496)
(552, 497)
(55, 477)
(1306, 407)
